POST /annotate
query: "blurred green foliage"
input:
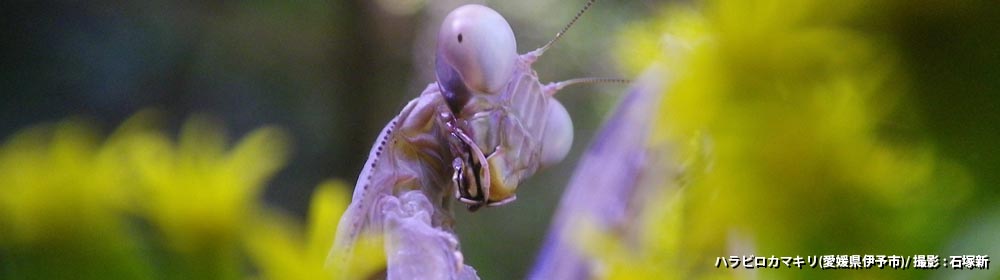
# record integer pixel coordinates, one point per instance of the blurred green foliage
(140, 205)
(801, 127)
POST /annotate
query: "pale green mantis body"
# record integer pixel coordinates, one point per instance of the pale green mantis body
(482, 128)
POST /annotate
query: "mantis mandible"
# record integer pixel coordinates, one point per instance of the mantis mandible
(485, 125)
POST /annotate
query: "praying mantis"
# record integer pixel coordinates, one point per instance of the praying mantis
(483, 127)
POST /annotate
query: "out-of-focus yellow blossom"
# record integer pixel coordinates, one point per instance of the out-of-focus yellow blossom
(140, 205)
(792, 125)
(282, 252)
(62, 194)
(197, 192)
(200, 195)
(54, 177)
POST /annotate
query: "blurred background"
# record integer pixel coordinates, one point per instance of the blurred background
(323, 77)
(331, 73)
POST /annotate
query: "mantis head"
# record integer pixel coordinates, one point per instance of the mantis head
(476, 56)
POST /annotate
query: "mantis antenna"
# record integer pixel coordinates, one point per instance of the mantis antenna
(552, 88)
(538, 52)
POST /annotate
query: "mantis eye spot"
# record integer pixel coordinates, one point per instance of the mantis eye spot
(459, 37)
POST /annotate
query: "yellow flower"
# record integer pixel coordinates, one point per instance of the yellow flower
(281, 252)
(63, 196)
(58, 183)
(198, 193)
(778, 112)
(140, 205)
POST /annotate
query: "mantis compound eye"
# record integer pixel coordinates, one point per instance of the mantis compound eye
(558, 135)
(456, 94)
(476, 52)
